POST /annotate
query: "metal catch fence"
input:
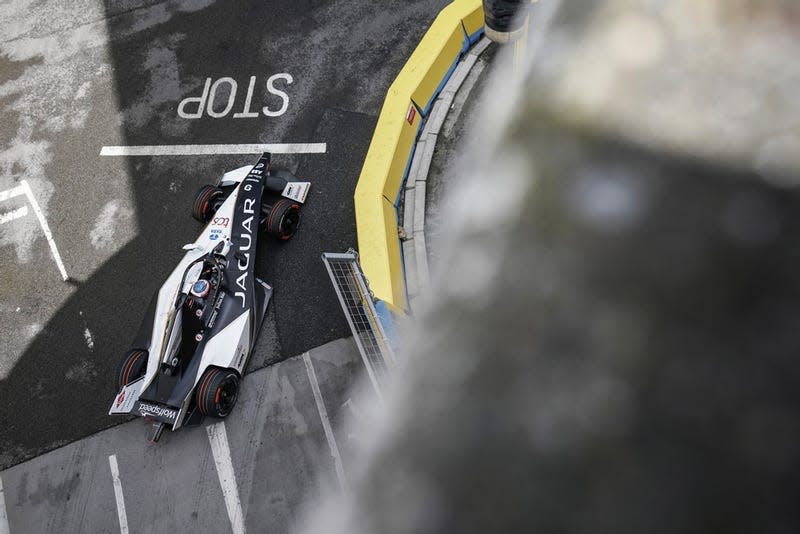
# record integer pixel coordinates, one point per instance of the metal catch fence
(359, 309)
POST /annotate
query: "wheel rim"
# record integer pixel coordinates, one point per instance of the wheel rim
(290, 222)
(208, 204)
(226, 395)
(204, 204)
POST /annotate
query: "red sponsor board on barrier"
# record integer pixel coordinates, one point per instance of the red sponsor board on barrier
(412, 114)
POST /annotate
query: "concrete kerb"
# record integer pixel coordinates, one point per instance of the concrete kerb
(415, 251)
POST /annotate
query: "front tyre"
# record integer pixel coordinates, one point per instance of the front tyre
(217, 392)
(133, 366)
(282, 219)
(206, 202)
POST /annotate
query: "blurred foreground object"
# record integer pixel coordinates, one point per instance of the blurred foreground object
(505, 20)
(613, 344)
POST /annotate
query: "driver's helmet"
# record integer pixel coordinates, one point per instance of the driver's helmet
(200, 288)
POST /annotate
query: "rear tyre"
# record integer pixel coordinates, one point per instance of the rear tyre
(282, 219)
(206, 203)
(217, 392)
(133, 366)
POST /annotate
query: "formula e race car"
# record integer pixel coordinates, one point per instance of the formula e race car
(195, 340)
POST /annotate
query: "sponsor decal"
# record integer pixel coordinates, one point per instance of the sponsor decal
(215, 312)
(241, 352)
(412, 114)
(297, 191)
(126, 399)
(157, 411)
(245, 241)
(221, 221)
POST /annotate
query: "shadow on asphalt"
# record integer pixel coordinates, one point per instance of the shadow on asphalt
(330, 103)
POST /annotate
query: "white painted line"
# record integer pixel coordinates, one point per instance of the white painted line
(13, 215)
(227, 478)
(326, 424)
(123, 517)
(45, 228)
(11, 193)
(201, 150)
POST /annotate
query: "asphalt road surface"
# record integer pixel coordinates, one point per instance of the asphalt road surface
(289, 439)
(79, 76)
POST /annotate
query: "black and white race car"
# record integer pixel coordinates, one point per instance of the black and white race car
(195, 340)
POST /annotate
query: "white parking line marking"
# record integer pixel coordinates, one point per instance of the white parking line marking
(13, 215)
(227, 478)
(11, 193)
(3, 515)
(326, 424)
(123, 518)
(46, 229)
(201, 150)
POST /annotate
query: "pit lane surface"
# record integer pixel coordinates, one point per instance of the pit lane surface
(80, 76)
(283, 446)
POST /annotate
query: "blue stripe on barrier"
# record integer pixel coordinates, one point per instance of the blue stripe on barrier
(387, 321)
(409, 161)
(469, 40)
(426, 111)
(475, 37)
(467, 43)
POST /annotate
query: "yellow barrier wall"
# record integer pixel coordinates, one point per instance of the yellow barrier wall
(432, 59)
(389, 152)
(395, 114)
(376, 218)
(471, 16)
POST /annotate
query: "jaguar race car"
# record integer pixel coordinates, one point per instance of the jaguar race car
(196, 337)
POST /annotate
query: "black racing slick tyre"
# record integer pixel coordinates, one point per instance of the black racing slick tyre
(205, 203)
(217, 392)
(133, 366)
(282, 219)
